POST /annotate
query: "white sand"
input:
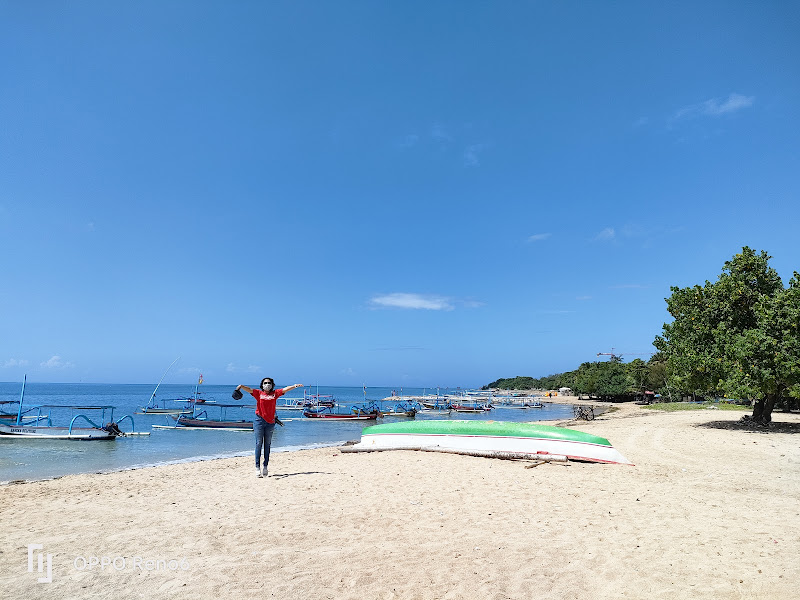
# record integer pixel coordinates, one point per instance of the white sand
(705, 513)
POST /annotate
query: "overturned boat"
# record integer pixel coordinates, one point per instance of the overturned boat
(500, 439)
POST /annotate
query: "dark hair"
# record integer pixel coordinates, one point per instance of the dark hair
(270, 379)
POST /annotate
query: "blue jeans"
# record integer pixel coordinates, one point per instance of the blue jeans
(263, 431)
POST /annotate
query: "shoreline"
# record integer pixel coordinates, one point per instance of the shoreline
(709, 511)
(178, 461)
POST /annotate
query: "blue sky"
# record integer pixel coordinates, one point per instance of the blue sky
(349, 193)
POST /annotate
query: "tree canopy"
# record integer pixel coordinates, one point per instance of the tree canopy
(738, 336)
(611, 379)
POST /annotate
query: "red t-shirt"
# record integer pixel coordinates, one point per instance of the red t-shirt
(265, 403)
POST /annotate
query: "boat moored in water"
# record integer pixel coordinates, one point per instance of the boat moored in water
(31, 423)
(200, 419)
(327, 413)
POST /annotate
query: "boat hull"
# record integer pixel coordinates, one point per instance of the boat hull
(494, 437)
(213, 424)
(343, 417)
(54, 433)
(165, 411)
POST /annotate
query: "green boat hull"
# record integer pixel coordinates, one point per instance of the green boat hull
(500, 438)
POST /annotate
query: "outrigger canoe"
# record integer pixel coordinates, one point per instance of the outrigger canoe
(40, 426)
(199, 419)
(499, 439)
(330, 416)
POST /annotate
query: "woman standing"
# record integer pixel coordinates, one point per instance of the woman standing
(264, 421)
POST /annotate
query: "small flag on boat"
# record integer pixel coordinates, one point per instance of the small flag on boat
(199, 381)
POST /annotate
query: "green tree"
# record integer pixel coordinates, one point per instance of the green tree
(737, 336)
(657, 375)
(639, 373)
(609, 379)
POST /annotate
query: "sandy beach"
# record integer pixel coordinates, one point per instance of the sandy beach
(710, 510)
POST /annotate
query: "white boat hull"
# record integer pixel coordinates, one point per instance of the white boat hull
(54, 433)
(493, 438)
(514, 446)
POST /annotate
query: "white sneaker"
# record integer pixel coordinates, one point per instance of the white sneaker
(258, 472)
(264, 471)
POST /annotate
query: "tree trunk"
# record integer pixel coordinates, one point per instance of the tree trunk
(762, 410)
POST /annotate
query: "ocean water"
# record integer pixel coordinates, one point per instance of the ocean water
(33, 460)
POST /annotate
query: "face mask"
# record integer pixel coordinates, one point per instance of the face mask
(267, 387)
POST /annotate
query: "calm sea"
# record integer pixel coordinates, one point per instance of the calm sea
(43, 459)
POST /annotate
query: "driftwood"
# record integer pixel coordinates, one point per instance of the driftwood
(479, 453)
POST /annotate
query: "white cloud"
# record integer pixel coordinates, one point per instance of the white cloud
(55, 362)
(538, 237)
(607, 234)
(715, 107)
(13, 362)
(583, 298)
(411, 301)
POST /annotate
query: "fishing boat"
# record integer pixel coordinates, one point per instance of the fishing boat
(436, 405)
(439, 407)
(519, 406)
(442, 412)
(199, 419)
(293, 404)
(307, 402)
(499, 439)
(470, 408)
(399, 412)
(31, 423)
(327, 414)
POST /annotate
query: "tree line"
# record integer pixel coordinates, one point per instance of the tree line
(737, 338)
(611, 380)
